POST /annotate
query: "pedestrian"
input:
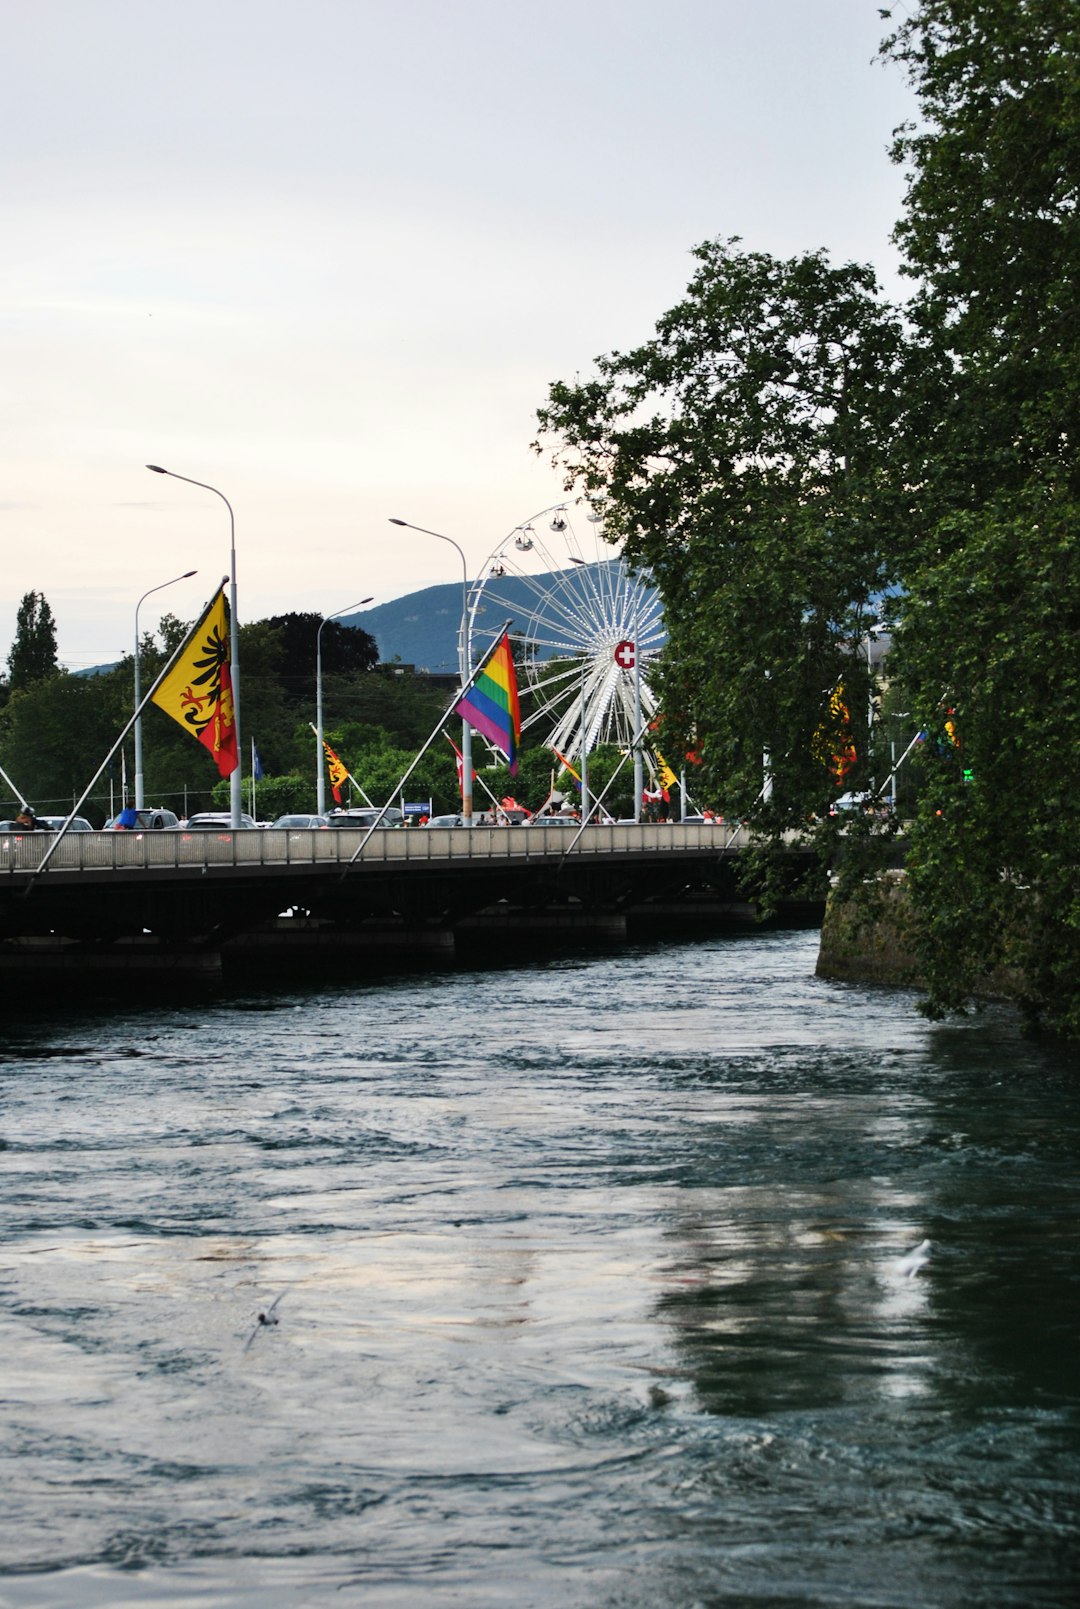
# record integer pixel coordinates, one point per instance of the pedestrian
(127, 820)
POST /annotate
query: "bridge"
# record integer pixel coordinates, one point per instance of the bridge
(203, 904)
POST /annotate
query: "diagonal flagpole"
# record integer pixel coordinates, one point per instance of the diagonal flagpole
(15, 791)
(458, 696)
(461, 762)
(348, 773)
(138, 711)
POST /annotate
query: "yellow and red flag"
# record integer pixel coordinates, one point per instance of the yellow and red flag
(833, 743)
(337, 771)
(197, 692)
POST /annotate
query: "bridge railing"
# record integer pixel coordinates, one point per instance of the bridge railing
(126, 852)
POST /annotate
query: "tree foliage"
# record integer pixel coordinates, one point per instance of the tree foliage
(33, 653)
(786, 448)
(740, 455)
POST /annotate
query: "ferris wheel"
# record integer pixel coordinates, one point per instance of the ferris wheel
(584, 627)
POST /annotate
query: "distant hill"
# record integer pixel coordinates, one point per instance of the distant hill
(421, 628)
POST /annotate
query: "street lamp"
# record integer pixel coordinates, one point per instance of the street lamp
(236, 779)
(320, 765)
(139, 799)
(464, 665)
(879, 627)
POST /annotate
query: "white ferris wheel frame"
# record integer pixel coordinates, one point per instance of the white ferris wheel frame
(585, 638)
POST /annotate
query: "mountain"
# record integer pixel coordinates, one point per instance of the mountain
(421, 629)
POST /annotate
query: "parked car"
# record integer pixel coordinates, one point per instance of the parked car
(360, 820)
(46, 824)
(444, 821)
(214, 821)
(297, 823)
(150, 820)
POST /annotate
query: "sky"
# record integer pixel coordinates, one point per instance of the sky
(327, 256)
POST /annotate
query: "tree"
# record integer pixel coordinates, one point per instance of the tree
(786, 446)
(991, 622)
(346, 651)
(741, 455)
(33, 653)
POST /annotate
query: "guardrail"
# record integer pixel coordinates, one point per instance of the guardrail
(337, 846)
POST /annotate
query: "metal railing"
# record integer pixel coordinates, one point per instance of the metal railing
(337, 846)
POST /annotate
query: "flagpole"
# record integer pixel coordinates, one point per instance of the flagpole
(467, 684)
(481, 781)
(159, 678)
(352, 779)
(236, 797)
(320, 774)
(11, 785)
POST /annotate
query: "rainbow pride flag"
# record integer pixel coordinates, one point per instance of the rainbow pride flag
(491, 704)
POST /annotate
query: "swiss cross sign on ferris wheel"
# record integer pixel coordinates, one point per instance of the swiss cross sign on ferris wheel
(624, 654)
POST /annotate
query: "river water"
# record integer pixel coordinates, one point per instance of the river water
(585, 1285)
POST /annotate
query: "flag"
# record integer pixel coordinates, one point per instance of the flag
(491, 704)
(459, 762)
(256, 764)
(336, 770)
(668, 779)
(832, 743)
(197, 692)
(566, 765)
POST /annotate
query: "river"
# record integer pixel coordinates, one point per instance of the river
(583, 1281)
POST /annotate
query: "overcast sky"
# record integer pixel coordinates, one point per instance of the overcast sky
(327, 255)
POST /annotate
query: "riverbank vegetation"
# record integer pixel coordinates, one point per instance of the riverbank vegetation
(796, 462)
(56, 728)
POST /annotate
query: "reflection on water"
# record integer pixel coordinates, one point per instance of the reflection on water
(588, 1285)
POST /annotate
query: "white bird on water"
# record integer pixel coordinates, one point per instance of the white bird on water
(915, 1259)
(265, 1320)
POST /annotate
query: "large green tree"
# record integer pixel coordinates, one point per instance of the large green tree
(741, 455)
(785, 447)
(33, 653)
(991, 633)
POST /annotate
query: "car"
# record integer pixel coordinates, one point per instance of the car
(360, 820)
(297, 823)
(149, 820)
(215, 821)
(554, 821)
(46, 824)
(444, 821)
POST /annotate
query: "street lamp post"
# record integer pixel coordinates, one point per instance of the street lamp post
(236, 779)
(139, 799)
(464, 665)
(872, 634)
(320, 771)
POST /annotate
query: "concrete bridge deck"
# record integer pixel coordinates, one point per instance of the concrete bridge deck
(202, 901)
